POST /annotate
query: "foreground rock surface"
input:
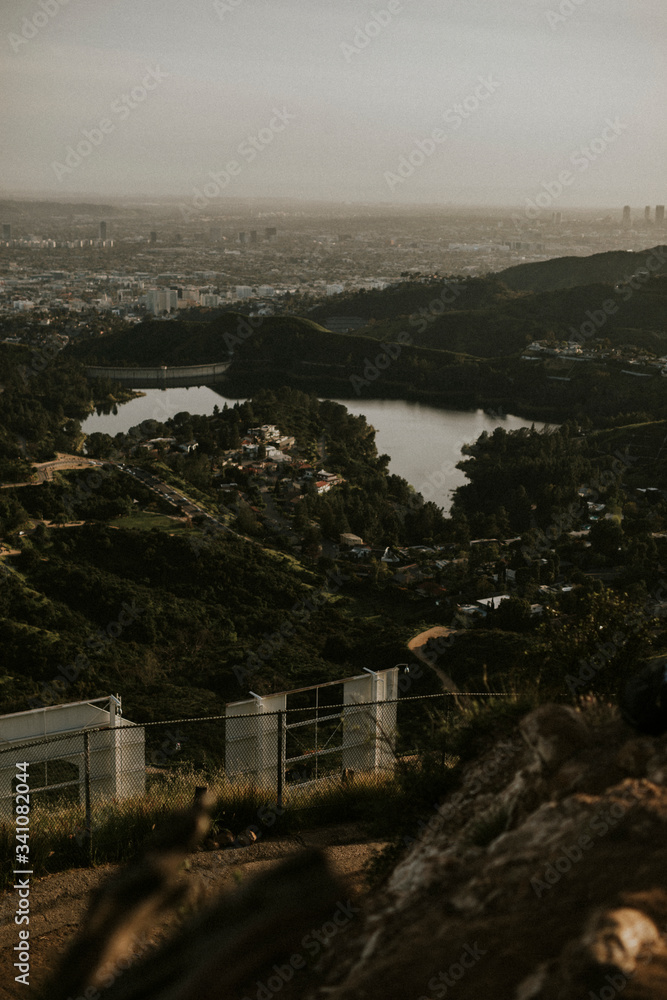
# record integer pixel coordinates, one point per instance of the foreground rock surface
(545, 880)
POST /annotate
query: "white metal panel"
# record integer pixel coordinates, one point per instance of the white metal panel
(368, 729)
(51, 721)
(117, 756)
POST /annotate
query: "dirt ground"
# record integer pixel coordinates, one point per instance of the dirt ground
(58, 902)
(417, 646)
(44, 470)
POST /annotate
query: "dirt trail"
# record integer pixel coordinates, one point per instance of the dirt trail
(417, 646)
(58, 902)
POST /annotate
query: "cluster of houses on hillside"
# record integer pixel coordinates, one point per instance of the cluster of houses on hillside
(261, 461)
(414, 567)
(268, 441)
(419, 568)
(572, 350)
(264, 449)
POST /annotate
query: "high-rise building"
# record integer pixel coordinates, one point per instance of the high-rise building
(188, 296)
(253, 235)
(270, 232)
(159, 300)
(6, 230)
(153, 236)
(659, 215)
(103, 230)
(647, 214)
(626, 215)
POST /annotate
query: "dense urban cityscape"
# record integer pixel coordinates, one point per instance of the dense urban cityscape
(129, 260)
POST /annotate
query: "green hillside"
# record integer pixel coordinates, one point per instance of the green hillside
(485, 319)
(198, 609)
(566, 272)
(177, 342)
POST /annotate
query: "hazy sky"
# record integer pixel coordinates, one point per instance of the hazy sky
(342, 99)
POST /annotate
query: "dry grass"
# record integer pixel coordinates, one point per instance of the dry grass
(59, 838)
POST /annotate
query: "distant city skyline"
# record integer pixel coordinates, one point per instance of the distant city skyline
(406, 102)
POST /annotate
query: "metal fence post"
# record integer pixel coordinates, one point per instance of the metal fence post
(86, 785)
(281, 758)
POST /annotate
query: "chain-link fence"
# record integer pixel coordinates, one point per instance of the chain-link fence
(89, 786)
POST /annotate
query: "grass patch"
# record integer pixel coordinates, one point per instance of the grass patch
(145, 521)
(121, 829)
(484, 721)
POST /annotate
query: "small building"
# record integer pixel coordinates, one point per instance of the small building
(275, 455)
(161, 440)
(188, 446)
(361, 551)
(389, 557)
(491, 603)
(267, 432)
(347, 538)
(409, 574)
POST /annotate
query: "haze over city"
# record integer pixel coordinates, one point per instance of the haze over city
(400, 102)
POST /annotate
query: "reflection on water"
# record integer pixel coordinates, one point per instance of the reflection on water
(104, 409)
(425, 442)
(154, 404)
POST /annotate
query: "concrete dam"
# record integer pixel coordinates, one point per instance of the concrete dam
(162, 375)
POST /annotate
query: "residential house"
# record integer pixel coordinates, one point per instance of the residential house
(491, 603)
(188, 446)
